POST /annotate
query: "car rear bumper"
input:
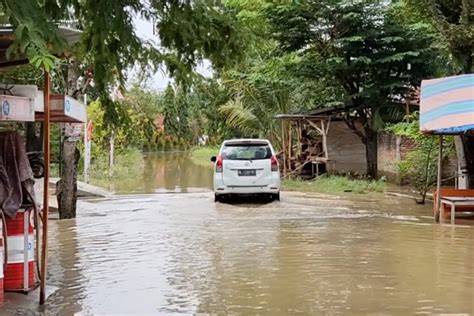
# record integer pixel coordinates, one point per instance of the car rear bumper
(221, 189)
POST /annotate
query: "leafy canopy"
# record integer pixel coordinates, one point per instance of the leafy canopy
(188, 31)
(364, 48)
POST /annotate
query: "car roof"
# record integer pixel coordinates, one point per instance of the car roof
(247, 141)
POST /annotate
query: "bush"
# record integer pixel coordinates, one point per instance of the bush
(420, 165)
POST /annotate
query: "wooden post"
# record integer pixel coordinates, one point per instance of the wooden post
(300, 137)
(325, 144)
(46, 139)
(283, 146)
(289, 146)
(438, 183)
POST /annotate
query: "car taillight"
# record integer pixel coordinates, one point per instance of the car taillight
(219, 163)
(274, 163)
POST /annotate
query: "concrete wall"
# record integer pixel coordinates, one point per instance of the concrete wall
(347, 153)
(345, 149)
(392, 149)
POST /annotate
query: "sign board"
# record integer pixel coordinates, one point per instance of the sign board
(71, 108)
(19, 109)
(75, 109)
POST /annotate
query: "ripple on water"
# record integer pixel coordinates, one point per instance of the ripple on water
(185, 254)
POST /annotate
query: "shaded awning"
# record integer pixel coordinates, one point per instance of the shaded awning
(447, 105)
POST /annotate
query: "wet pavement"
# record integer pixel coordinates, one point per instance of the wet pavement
(181, 253)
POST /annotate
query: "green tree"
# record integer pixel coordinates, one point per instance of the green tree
(188, 30)
(364, 49)
(454, 20)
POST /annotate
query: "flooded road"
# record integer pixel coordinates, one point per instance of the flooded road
(166, 172)
(182, 253)
(165, 254)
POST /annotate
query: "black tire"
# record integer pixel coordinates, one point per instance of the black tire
(217, 198)
(277, 197)
(38, 170)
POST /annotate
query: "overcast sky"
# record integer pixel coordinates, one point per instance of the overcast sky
(160, 80)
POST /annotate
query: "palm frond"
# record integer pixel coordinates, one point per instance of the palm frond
(239, 116)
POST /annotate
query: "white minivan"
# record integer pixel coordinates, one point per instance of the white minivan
(246, 167)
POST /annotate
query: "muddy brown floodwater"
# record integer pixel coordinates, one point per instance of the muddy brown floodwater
(164, 254)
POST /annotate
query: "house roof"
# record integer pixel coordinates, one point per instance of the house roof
(329, 111)
(70, 35)
(296, 117)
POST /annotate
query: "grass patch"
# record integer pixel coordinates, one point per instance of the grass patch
(202, 155)
(334, 184)
(128, 164)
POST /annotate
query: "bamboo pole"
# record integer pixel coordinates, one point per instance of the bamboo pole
(290, 145)
(46, 140)
(300, 137)
(438, 182)
(283, 146)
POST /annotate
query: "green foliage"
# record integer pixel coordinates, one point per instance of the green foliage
(136, 126)
(366, 50)
(192, 113)
(420, 164)
(364, 47)
(454, 21)
(189, 31)
(334, 184)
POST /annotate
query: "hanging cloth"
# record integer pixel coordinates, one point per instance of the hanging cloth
(16, 177)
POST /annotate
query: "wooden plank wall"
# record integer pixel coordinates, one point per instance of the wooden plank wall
(346, 150)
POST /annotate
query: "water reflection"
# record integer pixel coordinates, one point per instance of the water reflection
(167, 172)
(65, 269)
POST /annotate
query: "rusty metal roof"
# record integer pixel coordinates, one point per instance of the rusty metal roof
(70, 35)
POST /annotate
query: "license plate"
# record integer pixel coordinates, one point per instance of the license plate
(247, 173)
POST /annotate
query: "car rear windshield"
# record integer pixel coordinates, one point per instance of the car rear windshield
(246, 152)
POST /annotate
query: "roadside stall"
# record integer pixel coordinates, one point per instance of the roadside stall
(447, 108)
(21, 103)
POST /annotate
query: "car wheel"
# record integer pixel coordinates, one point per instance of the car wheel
(217, 198)
(277, 196)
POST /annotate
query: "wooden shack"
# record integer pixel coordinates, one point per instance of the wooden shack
(320, 142)
(304, 144)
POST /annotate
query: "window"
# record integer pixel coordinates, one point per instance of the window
(246, 152)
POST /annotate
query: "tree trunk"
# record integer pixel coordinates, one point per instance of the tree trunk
(67, 186)
(371, 148)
